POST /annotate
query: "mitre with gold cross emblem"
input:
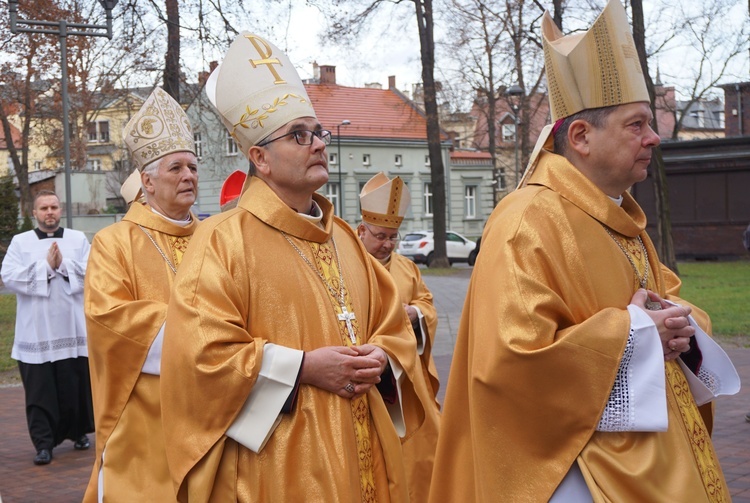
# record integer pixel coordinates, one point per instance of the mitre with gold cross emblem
(256, 90)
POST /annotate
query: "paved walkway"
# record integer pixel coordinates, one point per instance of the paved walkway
(65, 479)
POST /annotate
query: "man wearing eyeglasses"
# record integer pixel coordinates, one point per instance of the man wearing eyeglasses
(289, 372)
(384, 204)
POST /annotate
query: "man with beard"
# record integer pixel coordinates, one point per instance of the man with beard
(45, 268)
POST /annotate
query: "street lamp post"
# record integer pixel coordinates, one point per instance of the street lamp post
(338, 158)
(63, 29)
(515, 92)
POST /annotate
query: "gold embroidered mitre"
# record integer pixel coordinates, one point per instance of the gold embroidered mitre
(595, 69)
(384, 202)
(159, 128)
(598, 68)
(256, 90)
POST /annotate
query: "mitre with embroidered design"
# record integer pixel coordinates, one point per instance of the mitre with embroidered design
(256, 90)
(598, 68)
(384, 202)
(159, 128)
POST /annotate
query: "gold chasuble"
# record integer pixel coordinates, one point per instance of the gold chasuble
(126, 296)
(419, 449)
(543, 330)
(413, 291)
(258, 274)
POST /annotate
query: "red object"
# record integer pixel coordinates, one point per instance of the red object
(423, 244)
(232, 187)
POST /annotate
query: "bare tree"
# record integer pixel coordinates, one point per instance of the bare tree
(479, 27)
(31, 57)
(172, 62)
(661, 189)
(348, 23)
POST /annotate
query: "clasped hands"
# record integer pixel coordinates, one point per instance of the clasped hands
(334, 368)
(54, 256)
(671, 321)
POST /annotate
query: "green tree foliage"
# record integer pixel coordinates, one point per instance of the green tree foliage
(8, 209)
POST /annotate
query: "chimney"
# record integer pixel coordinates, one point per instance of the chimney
(316, 72)
(391, 82)
(202, 77)
(212, 66)
(327, 74)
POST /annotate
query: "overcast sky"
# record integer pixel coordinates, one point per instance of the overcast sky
(381, 53)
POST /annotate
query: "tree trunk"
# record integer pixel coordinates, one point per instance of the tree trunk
(558, 16)
(665, 244)
(172, 62)
(437, 172)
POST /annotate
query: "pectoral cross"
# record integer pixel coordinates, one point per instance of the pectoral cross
(347, 317)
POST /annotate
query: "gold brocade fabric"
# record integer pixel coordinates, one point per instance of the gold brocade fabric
(414, 292)
(419, 449)
(178, 244)
(326, 261)
(125, 301)
(542, 334)
(679, 396)
(239, 287)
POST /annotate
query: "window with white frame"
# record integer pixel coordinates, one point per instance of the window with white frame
(332, 194)
(398, 160)
(470, 198)
(427, 199)
(365, 159)
(333, 158)
(198, 139)
(37, 165)
(231, 145)
(427, 160)
(98, 131)
(509, 132)
(94, 164)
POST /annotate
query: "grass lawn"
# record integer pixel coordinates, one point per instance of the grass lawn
(7, 325)
(722, 289)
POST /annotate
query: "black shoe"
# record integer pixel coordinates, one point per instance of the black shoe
(82, 443)
(43, 457)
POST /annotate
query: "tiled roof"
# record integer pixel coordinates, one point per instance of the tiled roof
(470, 154)
(374, 113)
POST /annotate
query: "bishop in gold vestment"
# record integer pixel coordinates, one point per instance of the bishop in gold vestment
(546, 308)
(125, 308)
(131, 271)
(244, 286)
(578, 371)
(384, 203)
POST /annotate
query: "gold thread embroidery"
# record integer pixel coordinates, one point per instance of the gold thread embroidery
(679, 391)
(360, 407)
(250, 115)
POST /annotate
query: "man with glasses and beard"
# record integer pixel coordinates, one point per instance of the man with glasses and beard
(45, 268)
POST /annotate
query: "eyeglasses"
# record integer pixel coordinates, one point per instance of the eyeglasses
(383, 237)
(304, 137)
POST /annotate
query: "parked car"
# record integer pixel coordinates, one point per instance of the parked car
(419, 246)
